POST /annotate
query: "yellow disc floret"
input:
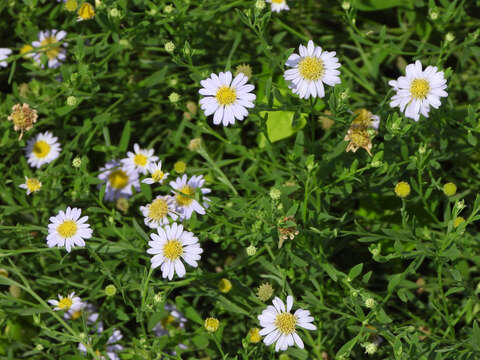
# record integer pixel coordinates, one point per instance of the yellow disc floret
(86, 11)
(158, 209)
(33, 184)
(118, 179)
(402, 189)
(67, 229)
(254, 335)
(224, 285)
(71, 5)
(65, 303)
(285, 323)
(311, 68)
(52, 51)
(76, 314)
(450, 189)
(211, 324)
(140, 160)
(41, 149)
(419, 88)
(185, 195)
(158, 175)
(172, 249)
(226, 95)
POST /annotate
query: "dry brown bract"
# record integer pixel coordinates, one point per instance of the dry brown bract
(358, 135)
(23, 118)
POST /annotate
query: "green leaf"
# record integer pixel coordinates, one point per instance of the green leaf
(373, 5)
(279, 124)
(355, 271)
(127, 130)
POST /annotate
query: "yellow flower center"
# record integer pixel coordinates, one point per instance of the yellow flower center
(278, 1)
(67, 229)
(118, 179)
(158, 209)
(285, 322)
(311, 68)
(140, 160)
(33, 185)
(255, 335)
(65, 303)
(226, 95)
(98, 353)
(185, 196)
(52, 51)
(360, 138)
(419, 88)
(41, 149)
(167, 320)
(402, 189)
(157, 175)
(76, 314)
(86, 11)
(25, 49)
(71, 5)
(172, 249)
(363, 118)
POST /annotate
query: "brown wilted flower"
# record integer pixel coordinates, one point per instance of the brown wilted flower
(23, 118)
(195, 144)
(325, 121)
(359, 138)
(285, 230)
(122, 204)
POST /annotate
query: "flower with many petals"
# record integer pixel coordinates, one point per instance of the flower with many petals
(157, 212)
(184, 191)
(42, 149)
(49, 43)
(310, 70)
(140, 159)
(119, 180)
(68, 229)
(71, 302)
(4, 54)
(418, 90)
(278, 5)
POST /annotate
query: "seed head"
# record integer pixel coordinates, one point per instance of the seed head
(23, 118)
(195, 144)
(174, 97)
(77, 162)
(370, 303)
(245, 69)
(71, 101)
(122, 204)
(169, 47)
(265, 292)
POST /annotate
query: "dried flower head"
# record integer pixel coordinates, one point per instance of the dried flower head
(122, 204)
(195, 144)
(245, 69)
(265, 291)
(326, 121)
(23, 118)
(359, 138)
(287, 229)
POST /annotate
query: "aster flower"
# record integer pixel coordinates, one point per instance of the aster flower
(156, 213)
(278, 5)
(184, 191)
(51, 40)
(71, 302)
(23, 118)
(139, 160)
(42, 149)
(310, 70)
(157, 175)
(119, 180)
(169, 246)
(31, 185)
(4, 54)
(67, 229)
(279, 325)
(418, 90)
(111, 347)
(228, 100)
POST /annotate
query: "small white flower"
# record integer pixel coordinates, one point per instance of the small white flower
(31, 185)
(279, 325)
(119, 180)
(310, 70)
(228, 100)
(278, 5)
(418, 90)
(71, 302)
(111, 348)
(139, 160)
(51, 40)
(156, 213)
(184, 191)
(42, 149)
(157, 175)
(67, 229)
(172, 244)
(4, 54)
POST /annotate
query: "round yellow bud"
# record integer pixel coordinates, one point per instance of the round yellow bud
(458, 220)
(402, 189)
(224, 285)
(110, 290)
(450, 189)
(180, 167)
(211, 324)
(254, 335)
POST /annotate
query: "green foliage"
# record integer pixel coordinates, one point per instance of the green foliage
(356, 240)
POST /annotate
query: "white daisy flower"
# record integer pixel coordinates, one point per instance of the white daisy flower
(279, 324)
(278, 5)
(228, 100)
(156, 213)
(174, 317)
(4, 54)
(310, 70)
(111, 347)
(184, 191)
(119, 180)
(71, 302)
(31, 185)
(139, 160)
(51, 40)
(68, 229)
(418, 90)
(157, 175)
(170, 245)
(42, 149)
